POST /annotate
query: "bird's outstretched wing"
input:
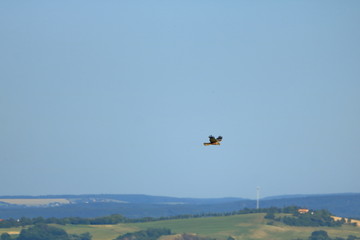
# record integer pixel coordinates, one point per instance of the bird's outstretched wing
(219, 138)
(212, 139)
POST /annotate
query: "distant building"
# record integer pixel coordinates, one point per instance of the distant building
(303, 210)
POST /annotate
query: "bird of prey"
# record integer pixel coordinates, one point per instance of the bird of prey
(213, 140)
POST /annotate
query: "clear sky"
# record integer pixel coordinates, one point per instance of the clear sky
(119, 96)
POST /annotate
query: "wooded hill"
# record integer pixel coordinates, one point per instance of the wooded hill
(138, 206)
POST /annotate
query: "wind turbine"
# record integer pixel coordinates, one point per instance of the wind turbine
(257, 197)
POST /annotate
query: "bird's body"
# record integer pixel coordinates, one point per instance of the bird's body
(213, 140)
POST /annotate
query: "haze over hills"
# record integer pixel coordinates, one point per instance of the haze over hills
(137, 205)
(128, 198)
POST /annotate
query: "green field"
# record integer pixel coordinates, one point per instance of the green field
(241, 227)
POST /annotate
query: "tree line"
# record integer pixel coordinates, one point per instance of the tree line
(320, 217)
(45, 232)
(311, 219)
(156, 233)
(149, 234)
(323, 235)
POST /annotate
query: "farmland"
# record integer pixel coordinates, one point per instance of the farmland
(240, 227)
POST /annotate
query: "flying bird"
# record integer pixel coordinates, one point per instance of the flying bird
(213, 140)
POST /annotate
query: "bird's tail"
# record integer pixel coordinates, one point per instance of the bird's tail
(207, 144)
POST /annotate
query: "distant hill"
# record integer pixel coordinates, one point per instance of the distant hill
(127, 198)
(137, 206)
(343, 205)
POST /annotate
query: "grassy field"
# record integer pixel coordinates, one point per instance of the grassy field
(241, 227)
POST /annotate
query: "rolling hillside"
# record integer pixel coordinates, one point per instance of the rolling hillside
(240, 227)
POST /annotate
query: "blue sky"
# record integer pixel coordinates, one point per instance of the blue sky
(118, 97)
